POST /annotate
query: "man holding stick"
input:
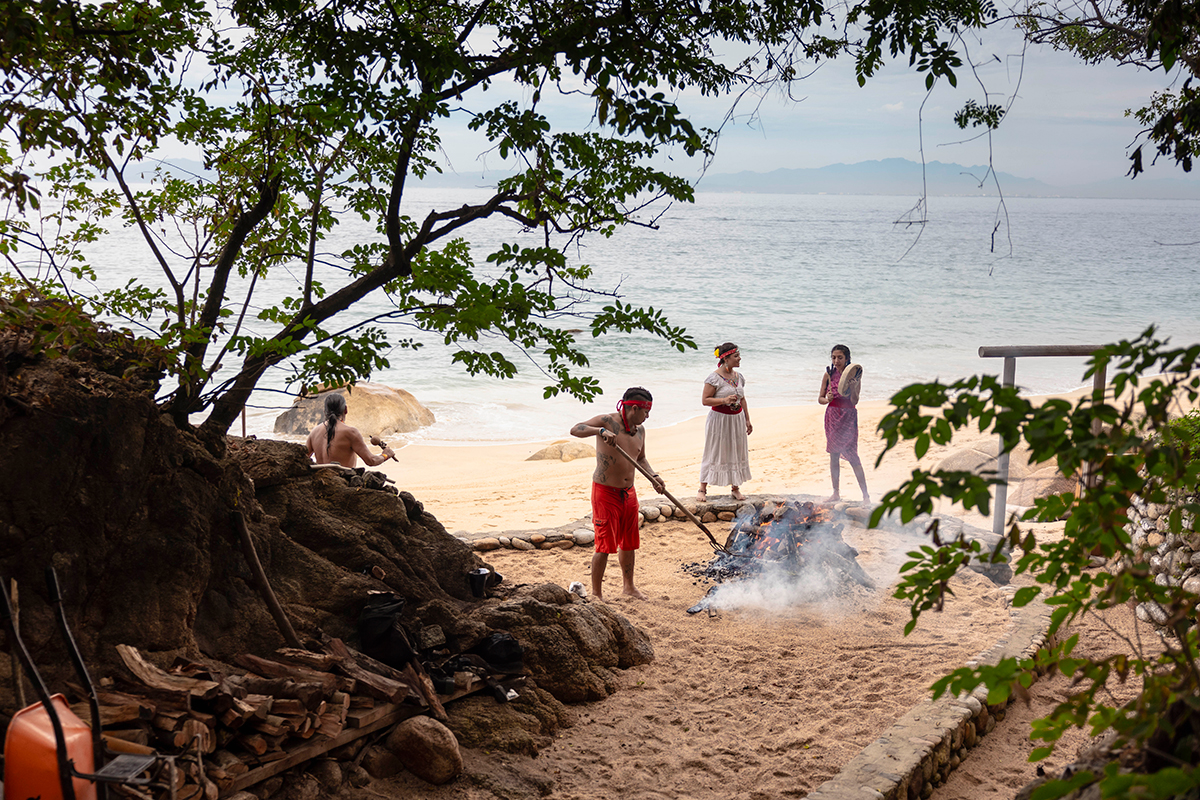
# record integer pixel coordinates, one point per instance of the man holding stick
(620, 451)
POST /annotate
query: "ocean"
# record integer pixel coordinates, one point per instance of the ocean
(788, 276)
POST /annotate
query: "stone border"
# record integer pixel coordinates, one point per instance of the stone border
(925, 745)
(656, 509)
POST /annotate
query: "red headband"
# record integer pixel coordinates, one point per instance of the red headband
(638, 403)
(730, 352)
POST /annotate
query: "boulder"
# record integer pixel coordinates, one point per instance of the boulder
(564, 451)
(374, 409)
(427, 748)
(1041, 482)
(982, 457)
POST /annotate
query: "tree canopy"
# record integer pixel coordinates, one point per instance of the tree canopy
(306, 113)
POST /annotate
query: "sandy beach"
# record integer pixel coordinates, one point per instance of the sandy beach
(760, 701)
(494, 488)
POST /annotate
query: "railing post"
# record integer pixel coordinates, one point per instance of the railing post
(1010, 354)
(1008, 379)
(1099, 384)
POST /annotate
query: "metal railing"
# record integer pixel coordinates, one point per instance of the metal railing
(1010, 354)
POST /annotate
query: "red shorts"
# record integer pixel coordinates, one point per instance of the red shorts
(615, 518)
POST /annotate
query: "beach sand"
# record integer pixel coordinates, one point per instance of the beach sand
(752, 702)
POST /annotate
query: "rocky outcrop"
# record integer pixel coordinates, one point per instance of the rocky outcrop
(374, 409)
(138, 518)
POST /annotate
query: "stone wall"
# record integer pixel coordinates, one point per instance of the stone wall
(1173, 559)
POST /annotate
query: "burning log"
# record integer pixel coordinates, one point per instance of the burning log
(794, 540)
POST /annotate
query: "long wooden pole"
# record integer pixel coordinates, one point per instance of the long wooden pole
(264, 586)
(716, 545)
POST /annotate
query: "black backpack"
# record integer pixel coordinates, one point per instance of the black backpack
(379, 633)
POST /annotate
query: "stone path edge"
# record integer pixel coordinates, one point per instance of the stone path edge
(929, 742)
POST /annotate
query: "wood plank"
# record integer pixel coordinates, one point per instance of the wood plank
(311, 751)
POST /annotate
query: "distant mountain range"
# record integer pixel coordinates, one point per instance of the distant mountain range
(898, 176)
(891, 176)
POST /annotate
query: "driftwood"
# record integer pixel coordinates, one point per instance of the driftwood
(156, 678)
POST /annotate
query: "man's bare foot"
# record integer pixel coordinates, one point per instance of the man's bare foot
(866, 498)
(737, 494)
(598, 597)
(634, 593)
(833, 498)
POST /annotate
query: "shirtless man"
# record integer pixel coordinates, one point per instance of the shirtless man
(335, 442)
(614, 501)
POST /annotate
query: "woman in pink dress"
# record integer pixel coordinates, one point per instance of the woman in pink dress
(841, 419)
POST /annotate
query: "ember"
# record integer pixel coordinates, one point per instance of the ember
(796, 544)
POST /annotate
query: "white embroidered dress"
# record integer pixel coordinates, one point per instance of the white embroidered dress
(726, 459)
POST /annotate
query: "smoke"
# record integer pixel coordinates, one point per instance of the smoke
(774, 589)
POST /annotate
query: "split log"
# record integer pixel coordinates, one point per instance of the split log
(229, 762)
(134, 742)
(288, 706)
(252, 743)
(306, 658)
(308, 693)
(196, 731)
(169, 719)
(275, 669)
(413, 675)
(156, 678)
(115, 714)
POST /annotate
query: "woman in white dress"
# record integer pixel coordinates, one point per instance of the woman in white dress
(726, 459)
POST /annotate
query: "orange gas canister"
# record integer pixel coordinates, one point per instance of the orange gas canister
(31, 754)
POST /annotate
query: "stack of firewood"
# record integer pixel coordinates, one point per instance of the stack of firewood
(222, 725)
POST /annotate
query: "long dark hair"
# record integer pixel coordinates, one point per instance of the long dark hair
(335, 409)
(844, 349)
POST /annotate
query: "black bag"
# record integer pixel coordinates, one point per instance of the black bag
(502, 653)
(379, 633)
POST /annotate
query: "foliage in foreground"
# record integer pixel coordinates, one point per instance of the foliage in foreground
(1123, 441)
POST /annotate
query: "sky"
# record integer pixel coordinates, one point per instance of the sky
(1067, 123)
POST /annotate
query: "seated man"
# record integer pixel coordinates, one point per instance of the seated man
(335, 442)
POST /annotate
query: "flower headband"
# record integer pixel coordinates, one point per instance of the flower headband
(733, 351)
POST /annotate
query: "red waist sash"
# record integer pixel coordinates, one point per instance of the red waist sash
(726, 409)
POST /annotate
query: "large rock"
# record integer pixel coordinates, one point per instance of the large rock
(1042, 482)
(1026, 482)
(427, 748)
(983, 457)
(374, 409)
(564, 451)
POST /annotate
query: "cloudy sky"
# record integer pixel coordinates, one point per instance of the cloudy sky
(1067, 123)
